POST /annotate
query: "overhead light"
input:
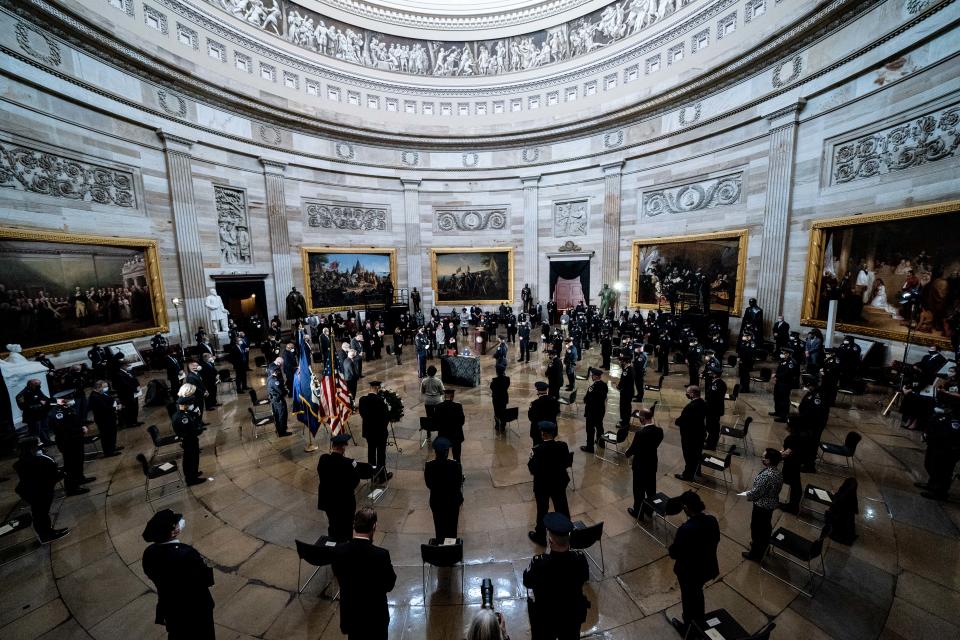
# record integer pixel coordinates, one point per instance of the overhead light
(618, 286)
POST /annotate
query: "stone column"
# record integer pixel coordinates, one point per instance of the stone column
(189, 255)
(776, 213)
(610, 252)
(531, 243)
(411, 232)
(279, 233)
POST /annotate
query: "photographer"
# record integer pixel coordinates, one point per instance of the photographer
(487, 625)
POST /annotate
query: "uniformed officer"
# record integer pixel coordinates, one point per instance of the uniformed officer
(848, 357)
(188, 424)
(558, 606)
(715, 393)
(639, 370)
(69, 432)
(524, 332)
(694, 550)
(594, 408)
(38, 476)
(943, 452)
(182, 579)
(752, 319)
(711, 363)
(746, 356)
(694, 361)
(548, 464)
(339, 477)
(554, 374)
(277, 393)
(500, 394)
(449, 418)
(783, 383)
(444, 478)
(35, 405)
(643, 450)
(500, 353)
(105, 415)
(570, 357)
(422, 345)
(511, 327)
(98, 359)
(606, 350)
(373, 411)
(814, 411)
(544, 408)
(625, 387)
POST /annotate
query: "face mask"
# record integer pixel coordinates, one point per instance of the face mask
(105, 389)
(69, 403)
(182, 525)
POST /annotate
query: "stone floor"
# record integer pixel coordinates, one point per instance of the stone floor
(899, 581)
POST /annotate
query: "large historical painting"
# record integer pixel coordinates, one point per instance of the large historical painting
(61, 291)
(683, 272)
(344, 278)
(472, 276)
(888, 271)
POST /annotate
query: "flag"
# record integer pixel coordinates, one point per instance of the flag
(304, 407)
(340, 402)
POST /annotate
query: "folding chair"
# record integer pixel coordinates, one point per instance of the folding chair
(583, 537)
(437, 554)
(257, 421)
(169, 470)
(611, 438)
(392, 440)
(658, 388)
(721, 465)
(765, 375)
(224, 377)
(93, 443)
(814, 495)
(739, 433)
(723, 625)
(255, 401)
(802, 552)
(846, 450)
(512, 414)
(319, 554)
(426, 426)
(569, 400)
(259, 362)
(659, 506)
(734, 397)
(9, 529)
(161, 441)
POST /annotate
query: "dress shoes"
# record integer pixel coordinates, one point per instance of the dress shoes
(195, 481)
(55, 534)
(772, 413)
(746, 555)
(112, 454)
(679, 476)
(87, 479)
(284, 434)
(679, 626)
(537, 539)
(586, 449)
(943, 497)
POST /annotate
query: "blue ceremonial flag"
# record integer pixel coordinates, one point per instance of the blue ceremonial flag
(306, 410)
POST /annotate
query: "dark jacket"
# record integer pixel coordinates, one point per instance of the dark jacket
(66, 426)
(542, 408)
(499, 390)
(625, 386)
(365, 575)
(548, 465)
(38, 476)
(239, 354)
(339, 476)
(595, 400)
(33, 403)
(557, 579)
(373, 411)
(351, 368)
(555, 373)
(715, 392)
(183, 582)
(444, 478)
(692, 420)
(695, 549)
(643, 449)
(275, 389)
(125, 383)
(449, 418)
(104, 413)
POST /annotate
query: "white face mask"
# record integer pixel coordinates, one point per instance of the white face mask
(105, 389)
(182, 525)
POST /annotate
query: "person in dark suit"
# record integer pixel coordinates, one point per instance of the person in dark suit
(594, 409)
(781, 333)
(500, 394)
(374, 414)
(357, 344)
(127, 387)
(449, 419)
(606, 350)
(752, 319)
(695, 550)
(182, 578)
(548, 465)
(69, 432)
(277, 394)
(365, 574)
(174, 371)
(544, 408)
(746, 350)
(444, 479)
(524, 332)
(38, 475)
(188, 424)
(643, 450)
(105, 416)
(554, 375)
(290, 364)
(716, 393)
(208, 373)
(558, 607)
(239, 356)
(339, 477)
(783, 381)
(35, 405)
(625, 387)
(693, 430)
(694, 360)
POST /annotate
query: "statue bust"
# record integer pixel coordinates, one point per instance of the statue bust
(15, 356)
(218, 313)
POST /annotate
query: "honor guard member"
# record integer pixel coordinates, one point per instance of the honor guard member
(339, 477)
(182, 579)
(500, 394)
(694, 361)
(558, 606)
(239, 356)
(643, 450)
(692, 424)
(448, 418)
(548, 464)
(69, 432)
(752, 319)
(712, 363)
(524, 332)
(625, 387)
(848, 355)
(105, 416)
(782, 384)
(444, 479)
(594, 408)
(639, 370)
(188, 424)
(715, 392)
(554, 375)
(35, 405)
(511, 327)
(694, 550)
(544, 408)
(208, 372)
(38, 476)
(746, 356)
(606, 350)
(374, 414)
(277, 394)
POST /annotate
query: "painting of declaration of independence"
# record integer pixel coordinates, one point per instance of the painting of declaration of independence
(60, 291)
(694, 272)
(888, 271)
(476, 276)
(344, 278)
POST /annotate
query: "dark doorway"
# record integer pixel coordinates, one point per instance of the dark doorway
(570, 282)
(244, 298)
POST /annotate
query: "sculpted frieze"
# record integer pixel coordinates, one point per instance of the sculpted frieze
(233, 224)
(351, 216)
(455, 220)
(570, 217)
(694, 196)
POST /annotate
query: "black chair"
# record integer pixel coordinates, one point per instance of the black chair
(319, 554)
(259, 409)
(427, 426)
(656, 387)
(725, 626)
(734, 396)
(614, 439)
(260, 361)
(224, 377)
(254, 400)
(845, 450)
(659, 504)
(512, 414)
(570, 399)
(8, 531)
(653, 409)
(583, 537)
(739, 433)
(169, 470)
(732, 360)
(814, 495)
(92, 442)
(437, 554)
(719, 465)
(800, 551)
(161, 441)
(257, 421)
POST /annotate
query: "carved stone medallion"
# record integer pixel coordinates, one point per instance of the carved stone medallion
(455, 220)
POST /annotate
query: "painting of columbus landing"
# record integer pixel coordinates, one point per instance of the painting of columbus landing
(64, 291)
(472, 276)
(889, 272)
(345, 278)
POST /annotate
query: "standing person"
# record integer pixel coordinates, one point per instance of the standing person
(290, 363)
(208, 372)
(752, 319)
(500, 394)
(422, 344)
(694, 549)
(625, 387)
(351, 372)
(397, 342)
(239, 356)
(128, 393)
(182, 579)
(174, 371)
(500, 353)
(444, 479)
(554, 375)
(765, 496)
(524, 334)
(69, 432)
(38, 476)
(356, 343)
(594, 409)
(448, 418)
(639, 371)
(374, 413)
(643, 450)
(570, 354)
(277, 394)
(105, 416)
(814, 351)
(544, 408)
(365, 575)
(339, 477)
(692, 423)
(606, 350)
(716, 393)
(783, 384)
(194, 377)
(188, 424)
(781, 333)
(558, 607)
(415, 299)
(548, 465)
(746, 356)
(431, 390)
(694, 362)
(35, 406)
(795, 446)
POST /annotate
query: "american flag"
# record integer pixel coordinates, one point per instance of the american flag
(333, 397)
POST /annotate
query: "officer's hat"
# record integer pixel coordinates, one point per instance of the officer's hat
(340, 438)
(449, 392)
(160, 526)
(541, 385)
(547, 426)
(441, 444)
(376, 384)
(595, 372)
(558, 523)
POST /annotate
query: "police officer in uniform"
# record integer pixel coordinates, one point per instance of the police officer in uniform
(783, 382)
(548, 464)
(662, 351)
(449, 418)
(943, 452)
(35, 405)
(639, 370)
(544, 408)
(643, 450)
(752, 319)
(277, 393)
(421, 344)
(625, 387)
(746, 356)
(694, 361)
(208, 373)
(524, 332)
(127, 387)
(339, 477)
(606, 350)
(558, 607)
(500, 394)
(848, 356)
(373, 411)
(814, 413)
(444, 479)
(715, 393)
(711, 363)
(554, 375)
(105, 416)
(594, 408)
(188, 424)
(511, 327)
(694, 550)
(38, 476)
(66, 426)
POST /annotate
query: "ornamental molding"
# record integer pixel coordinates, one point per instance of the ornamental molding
(613, 139)
(569, 247)
(349, 216)
(795, 64)
(268, 134)
(233, 223)
(410, 158)
(172, 103)
(705, 193)
(686, 118)
(571, 217)
(531, 154)
(920, 140)
(29, 39)
(34, 169)
(344, 150)
(470, 160)
(453, 220)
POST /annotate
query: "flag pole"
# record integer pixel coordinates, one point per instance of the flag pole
(311, 446)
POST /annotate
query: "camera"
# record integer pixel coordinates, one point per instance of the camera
(486, 593)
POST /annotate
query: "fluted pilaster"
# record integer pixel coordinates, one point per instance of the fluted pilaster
(610, 252)
(531, 244)
(279, 233)
(411, 231)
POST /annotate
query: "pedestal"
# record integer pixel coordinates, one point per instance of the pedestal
(221, 340)
(15, 377)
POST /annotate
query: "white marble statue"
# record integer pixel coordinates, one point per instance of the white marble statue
(15, 355)
(17, 371)
(218, 313)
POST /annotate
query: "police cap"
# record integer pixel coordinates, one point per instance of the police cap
(340, 438)
(558, 523)
(546, 425)
(541, 386)
(161, 525)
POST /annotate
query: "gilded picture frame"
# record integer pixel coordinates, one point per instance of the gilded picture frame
(738, 238)
(106, 249)
(910, 220)
(442, 259)
(323, 302)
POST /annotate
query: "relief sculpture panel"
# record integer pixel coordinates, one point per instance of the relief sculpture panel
(352, 216)
(693, 196)
(570, 218)
(233, 224)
